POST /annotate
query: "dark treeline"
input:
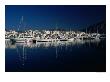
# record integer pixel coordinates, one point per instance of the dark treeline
(98, 27)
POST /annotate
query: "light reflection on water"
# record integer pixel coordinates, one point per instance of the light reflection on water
(24, 51)
(50, 44)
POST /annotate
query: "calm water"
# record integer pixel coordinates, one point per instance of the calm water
(77, 56)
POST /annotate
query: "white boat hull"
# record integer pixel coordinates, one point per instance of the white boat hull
(23, 40)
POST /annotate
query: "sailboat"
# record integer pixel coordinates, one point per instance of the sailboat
(22, 38)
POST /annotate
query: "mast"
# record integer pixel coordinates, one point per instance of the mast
(56, 31)
(86, 29)
(56, 27)
(97, 29)
(20, 23)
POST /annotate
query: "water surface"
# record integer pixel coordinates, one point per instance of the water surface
(76, 56)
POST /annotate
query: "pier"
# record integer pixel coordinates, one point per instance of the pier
(49, 36)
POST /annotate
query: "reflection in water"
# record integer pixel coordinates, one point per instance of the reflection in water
(22, 49)
(50, 44)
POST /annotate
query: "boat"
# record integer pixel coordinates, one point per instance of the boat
(45, 40)
(71, 39)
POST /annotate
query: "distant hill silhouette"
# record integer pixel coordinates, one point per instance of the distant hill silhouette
(98, 27)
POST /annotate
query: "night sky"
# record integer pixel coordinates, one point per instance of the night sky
(48, 16)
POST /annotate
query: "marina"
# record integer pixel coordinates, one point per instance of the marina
(34, 50)
(68, 51)
(49, 36)
(55, 38)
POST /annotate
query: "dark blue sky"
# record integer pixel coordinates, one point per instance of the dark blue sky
(47, 16)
